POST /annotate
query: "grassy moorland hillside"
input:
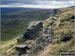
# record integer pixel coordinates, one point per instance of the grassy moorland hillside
(14, 24)
(63, 32)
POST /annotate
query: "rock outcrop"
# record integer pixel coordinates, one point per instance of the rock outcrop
(43, 40)
(31, 31)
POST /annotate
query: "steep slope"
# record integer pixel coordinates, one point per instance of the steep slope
(56, 35)
(63, 32)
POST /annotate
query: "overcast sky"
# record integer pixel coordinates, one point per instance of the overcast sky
(37, 3)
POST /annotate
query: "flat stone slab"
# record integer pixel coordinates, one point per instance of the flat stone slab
(21, 46)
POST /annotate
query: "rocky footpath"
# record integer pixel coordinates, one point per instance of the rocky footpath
(40, 43)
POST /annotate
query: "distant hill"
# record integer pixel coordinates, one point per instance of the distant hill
(15, 23)
(10, 10)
